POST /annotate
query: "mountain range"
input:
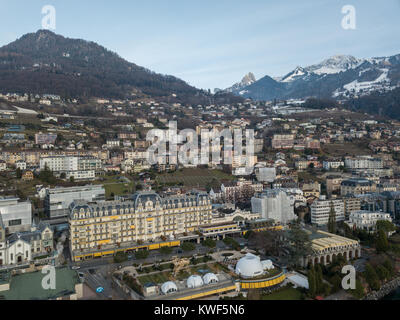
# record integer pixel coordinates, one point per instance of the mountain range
(44, 62)
(340, 77)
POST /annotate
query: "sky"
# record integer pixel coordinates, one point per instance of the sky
(214, 43)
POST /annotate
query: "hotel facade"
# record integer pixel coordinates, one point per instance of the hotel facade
(106, 227)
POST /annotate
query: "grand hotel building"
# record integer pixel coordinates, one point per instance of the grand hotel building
(106, 227)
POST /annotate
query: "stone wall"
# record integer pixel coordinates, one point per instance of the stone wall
(384, 290)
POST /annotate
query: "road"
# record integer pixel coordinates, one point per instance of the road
(154, 256)
(97, 272)
(88, 117)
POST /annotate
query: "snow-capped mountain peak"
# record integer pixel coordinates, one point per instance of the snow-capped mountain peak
(295, 74)
(247, 80)
(340, 76)
(335, 64)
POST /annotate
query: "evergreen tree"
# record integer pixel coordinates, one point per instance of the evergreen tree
(336, 281)
(299, 244)
(319, 279)
(359, 290)
(385, 225)
(382, 244)
(371, 277)
(332, 220)
(18, 173)
(382, 273)
(312, 285)
(389, 267)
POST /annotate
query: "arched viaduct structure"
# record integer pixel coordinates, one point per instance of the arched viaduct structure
(327, 246)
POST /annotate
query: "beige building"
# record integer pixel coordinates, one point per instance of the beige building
(356, 186)
(351, 204)
(282, 141)
(145, 218)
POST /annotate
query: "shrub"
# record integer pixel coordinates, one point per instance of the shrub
(165, 250)
(209, 243)
(188, 246)
(120, 257)
(141, 254)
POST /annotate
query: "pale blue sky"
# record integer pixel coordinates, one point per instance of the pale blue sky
(214, 43)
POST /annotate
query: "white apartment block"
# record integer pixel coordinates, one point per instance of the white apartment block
(332, 164)
(364, 162)
(136, 155)
(81, 175)
(321, 208)
(274, 204)
(20, 165)
(81, 168)
(366, 220)
(59, 163)
(113, 143)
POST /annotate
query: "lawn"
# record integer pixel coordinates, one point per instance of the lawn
(157, 278)
(113, 185)
(274, 272)
(195, 177)
(29, 286)
(284, 294)
(162, 277)
(182, 275)
(118, 189)
(347, 148)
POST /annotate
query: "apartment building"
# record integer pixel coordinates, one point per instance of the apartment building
(332, 164)
(274, 204)
(58, 200)
(283, 141)
(45, 138)
(321, 209)
(366, 220)
(16, 215)
(333, 183)
(363, 162)
(80, 168)
(357, 186)
(351, 204)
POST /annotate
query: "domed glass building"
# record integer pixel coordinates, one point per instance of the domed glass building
(194, 282)
(249, 266)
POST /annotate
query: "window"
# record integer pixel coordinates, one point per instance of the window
(16, 222)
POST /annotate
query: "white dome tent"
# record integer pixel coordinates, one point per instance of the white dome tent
(249, 266)
(169, 287)
(210, 278)
(267, 264)
(194, 282)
